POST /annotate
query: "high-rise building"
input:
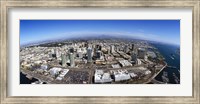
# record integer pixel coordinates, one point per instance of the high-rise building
(67, 58)
(134, 58)
(64, 59)
(141, 53)
(112, 48)
(98, 47)
(71, 50)
(95, 51)
(52, 51)
(56, 53)
(98, 54)
(50, 54)
(108, 50)
(126, 49)
(89, 54)
(117, 48)
(79, 53)
(71, 57)
(133, 47)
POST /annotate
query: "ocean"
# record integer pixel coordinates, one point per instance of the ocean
(25, 80)
(172, 58)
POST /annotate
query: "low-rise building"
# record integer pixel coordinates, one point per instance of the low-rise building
(121, 75)
(125, 63)
(101, 77)
(147, 72)
(55, 70)
(115, 66)
(44, 67)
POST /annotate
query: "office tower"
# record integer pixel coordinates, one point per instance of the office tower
(52, 51)
(71, 50)
(95, 51)
(98, 54)
(56, 53)
(126, 49)
(133, 47)
(98, 47)
(71, 57)
(108, 50)
(117, 48)
(79, 53)
(141, 53)
(89, 54)
(50, 55)
(67, 58)
(64, 59)
(112, 48)
(134, 58)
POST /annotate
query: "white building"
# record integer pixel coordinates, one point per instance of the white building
(101, 77)
(147, 72)
(133, 75)
(53, 71)
(62, 74)
(125, 63)
(115, 66)
(121, 75)
(112, 48)
(44, 67)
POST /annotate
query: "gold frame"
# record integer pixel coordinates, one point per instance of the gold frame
(6, 4)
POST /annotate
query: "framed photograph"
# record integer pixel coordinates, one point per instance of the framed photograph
(99, 51)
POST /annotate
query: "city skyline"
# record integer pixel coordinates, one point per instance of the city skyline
(166, 31)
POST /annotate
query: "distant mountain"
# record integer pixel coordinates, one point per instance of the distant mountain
(88, 37)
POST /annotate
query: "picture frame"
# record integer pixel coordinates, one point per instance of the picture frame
(7, 4)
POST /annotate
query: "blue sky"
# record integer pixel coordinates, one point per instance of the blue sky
(167, 31)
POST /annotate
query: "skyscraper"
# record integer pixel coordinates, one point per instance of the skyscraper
(126, 49)
(71, 57)
(112, 48)
(108, 50)
(79, 53)
(56, 53)
(141, 53)
(67, 58)
(71, 50)
(89, 54)
(98, 54)
(64, 59)
(133, 47)
(134, 58)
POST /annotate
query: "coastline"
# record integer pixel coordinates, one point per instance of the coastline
(156, 74)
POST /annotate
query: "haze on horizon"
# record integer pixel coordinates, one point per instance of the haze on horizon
(165, 31)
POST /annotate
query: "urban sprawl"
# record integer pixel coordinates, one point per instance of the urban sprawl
(97, 61)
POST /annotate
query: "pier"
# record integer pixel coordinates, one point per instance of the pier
(153, 77)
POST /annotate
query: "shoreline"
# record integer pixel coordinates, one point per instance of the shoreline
(156, 74)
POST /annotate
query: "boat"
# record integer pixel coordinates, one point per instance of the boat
(172, 57)
(176, 79)
(165, 77)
